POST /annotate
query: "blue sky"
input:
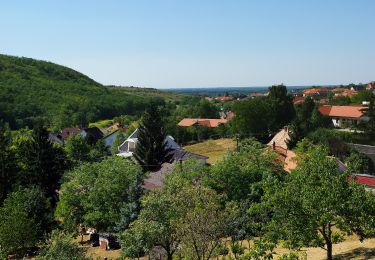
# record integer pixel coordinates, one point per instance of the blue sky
(197, 43)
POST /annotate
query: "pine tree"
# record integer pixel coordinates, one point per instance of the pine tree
(152, 151)
(42, 163)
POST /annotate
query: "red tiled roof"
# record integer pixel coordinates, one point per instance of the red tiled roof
(342, 111)
(370, 86)
(364, 180)
(339, 89)
(202, 121)
(256, 94)
(224, 98)
(313, 91)
(66, 132)
(347, 93)
(297, 100)
(230, 115)
(323, 101)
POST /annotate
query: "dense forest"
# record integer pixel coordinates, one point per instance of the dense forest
(34, 92)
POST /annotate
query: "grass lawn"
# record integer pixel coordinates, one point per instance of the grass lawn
(102, 124)
(213, 149)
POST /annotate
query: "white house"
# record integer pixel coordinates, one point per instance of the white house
(127, 148)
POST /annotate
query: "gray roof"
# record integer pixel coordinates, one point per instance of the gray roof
(365, 149)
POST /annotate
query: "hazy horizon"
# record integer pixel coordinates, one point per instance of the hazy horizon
(176, 44)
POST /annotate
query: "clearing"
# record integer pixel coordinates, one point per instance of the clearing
(215, 150)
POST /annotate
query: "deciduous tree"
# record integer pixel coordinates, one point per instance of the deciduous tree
(317, 205)
(95, 193)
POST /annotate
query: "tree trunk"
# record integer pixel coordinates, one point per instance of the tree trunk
(329, 242)
(329, 250)
(169, 256)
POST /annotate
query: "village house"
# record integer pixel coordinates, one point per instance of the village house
(110, 138)
(316, 92)
(298, 100)
(92, 133)
(224, 98)
(343, 116)
(207, 122)
(69, 131)
(155, 179)
(346, 93)
(127, 148)
(256, 94)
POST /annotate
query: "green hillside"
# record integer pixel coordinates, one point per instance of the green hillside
(39, 92)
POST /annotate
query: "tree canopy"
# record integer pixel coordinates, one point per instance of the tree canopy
(95, 194)
(316, 205)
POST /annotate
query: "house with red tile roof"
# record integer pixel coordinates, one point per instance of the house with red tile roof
(69, 131)
(224, 98)
(207, 122)
(344, 115)
(346, 93)
(256, 94)
(339, 90)
(298, 100)
(364, 179)
(370, 86)
(316, 92)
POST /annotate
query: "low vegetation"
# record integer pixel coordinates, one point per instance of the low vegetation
(215, 150)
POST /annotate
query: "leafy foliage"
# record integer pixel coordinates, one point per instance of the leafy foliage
(179, 214)
(317, 205)
(25, 218)
(94, 194)
(40, 162)
(240, 174)
(308, 118)
(61, 247)
(7, 162)
(260, 117)
(37, 92)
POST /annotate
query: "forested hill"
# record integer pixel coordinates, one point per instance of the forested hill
(39, 92)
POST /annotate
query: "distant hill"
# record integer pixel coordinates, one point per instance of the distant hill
(39, 92)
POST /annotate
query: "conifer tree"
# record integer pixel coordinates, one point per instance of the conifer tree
(41, 162)
(152, 151)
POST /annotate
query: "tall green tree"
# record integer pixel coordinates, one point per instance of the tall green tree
(151, 150)
(240, 174)
(95, 193)
(317, 205)
(282, 107)
(41, 162)
(180, 215)
(155, 226)
(26, 217)
(206, 109)
(253, 118)
(77, 149)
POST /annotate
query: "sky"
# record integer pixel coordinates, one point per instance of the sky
(197, 43)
